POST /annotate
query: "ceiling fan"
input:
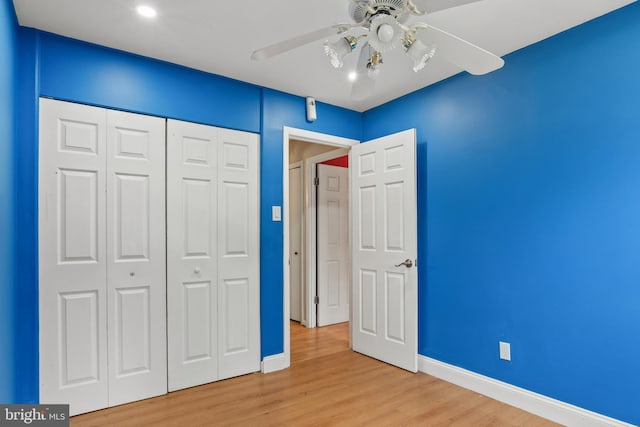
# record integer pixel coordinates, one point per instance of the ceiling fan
(379, 27)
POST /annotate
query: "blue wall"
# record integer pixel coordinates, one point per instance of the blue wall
(528, 207)
(25, 169)
(529, 189)
(8, 67)
(71, 70)
(280, 109)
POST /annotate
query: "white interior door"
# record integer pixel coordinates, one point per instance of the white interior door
(238, 253)
(333, 244)
(384, 247)
(136, 284)
(192, 253)
(295, 243)
(213, 254)
(72, 256)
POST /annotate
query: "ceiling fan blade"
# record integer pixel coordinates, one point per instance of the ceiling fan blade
(295, 42)
(430, 6)
(363, 59)
(363, 85)
(465, 55)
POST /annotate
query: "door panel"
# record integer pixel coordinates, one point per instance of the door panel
(192, 274)
(132, 216)
(385, 230)
(235, 231)
(78, 196)
(333, 245)
(133, 331)
(368, 313)
(197, 207)
(236, 334)
(72, 258)
(199, 310)
(79, 336)
(239, 253)
(136, 256)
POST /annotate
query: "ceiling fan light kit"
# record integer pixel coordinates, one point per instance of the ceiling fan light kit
(385, 32)
(337, 50)
(373, 65)
(418, 51)
(384, 24)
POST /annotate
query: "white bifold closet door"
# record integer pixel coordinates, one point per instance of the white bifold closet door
(136, 268)
(102, 291)
(213, 254)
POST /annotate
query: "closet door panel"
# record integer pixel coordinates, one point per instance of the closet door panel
(238, 246)
(136, 256)
(72, 258)
(192, 275)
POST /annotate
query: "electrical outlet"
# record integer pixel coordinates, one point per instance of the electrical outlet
(505, 351)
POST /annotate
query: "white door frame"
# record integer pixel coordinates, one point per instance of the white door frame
(311, 230)
(304, 319)
(289, 133)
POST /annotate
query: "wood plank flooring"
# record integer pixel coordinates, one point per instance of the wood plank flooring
(327, 385)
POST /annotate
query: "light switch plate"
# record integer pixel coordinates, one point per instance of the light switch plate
(276, 213)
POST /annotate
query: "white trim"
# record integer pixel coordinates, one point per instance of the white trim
(274, 363)
(311, 231)
(546, 407)
(289, 133)
(315, 137)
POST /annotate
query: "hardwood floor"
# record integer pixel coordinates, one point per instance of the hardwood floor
(327, 385)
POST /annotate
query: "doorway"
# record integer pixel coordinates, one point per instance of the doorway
(316, 148)
(384, 256)
(318, 233)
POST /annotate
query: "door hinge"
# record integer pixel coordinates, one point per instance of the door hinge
(316, 181)
(316, 299)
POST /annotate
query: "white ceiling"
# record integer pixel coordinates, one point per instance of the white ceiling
(219, 37)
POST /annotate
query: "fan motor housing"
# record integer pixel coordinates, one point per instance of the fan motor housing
(360, 11)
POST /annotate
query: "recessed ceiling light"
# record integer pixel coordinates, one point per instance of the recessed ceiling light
(353, 76)
(146, 11)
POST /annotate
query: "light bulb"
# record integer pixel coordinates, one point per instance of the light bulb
(146, 11)
(352, 76)
(373, 72)
(385, 33)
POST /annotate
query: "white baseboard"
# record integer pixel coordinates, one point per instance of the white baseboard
(546, 407)
(274, 363)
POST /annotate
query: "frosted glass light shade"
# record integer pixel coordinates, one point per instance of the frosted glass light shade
(421, 54)
(337, 50)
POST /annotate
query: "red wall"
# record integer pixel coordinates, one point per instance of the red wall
(342, 162)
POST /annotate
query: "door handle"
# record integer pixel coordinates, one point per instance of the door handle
(407, 263)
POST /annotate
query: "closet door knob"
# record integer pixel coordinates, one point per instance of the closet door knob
(132, 274)
(196, 270)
